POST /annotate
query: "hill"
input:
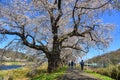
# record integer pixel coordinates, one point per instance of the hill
(9, 55)
(107, 58)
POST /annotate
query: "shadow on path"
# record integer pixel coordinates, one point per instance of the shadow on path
(75, 74)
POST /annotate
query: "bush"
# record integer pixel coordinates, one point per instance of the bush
(118, 67)
(112, 71)
(118, 72)
(118, 77)
(103, 72)
(10, 78)
(32, 73)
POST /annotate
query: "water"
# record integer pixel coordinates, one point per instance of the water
(7, 67)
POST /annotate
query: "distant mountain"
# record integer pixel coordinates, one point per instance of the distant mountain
(107, 58)
(9, 55)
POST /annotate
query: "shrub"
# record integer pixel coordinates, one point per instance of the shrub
(32, 73)
(118, 77)
(118, 67)
(114, 73)
(118, 72)
(103, 72)
(10, 78)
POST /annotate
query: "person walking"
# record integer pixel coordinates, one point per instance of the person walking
(82, 65)
(72, 64)
(69, 64)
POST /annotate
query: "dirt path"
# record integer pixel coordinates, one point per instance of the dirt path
(76, 74)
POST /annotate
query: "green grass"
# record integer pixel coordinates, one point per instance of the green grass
(52, 76)
(1, 75)
(16, 74)
(22, 73)
(99, 76)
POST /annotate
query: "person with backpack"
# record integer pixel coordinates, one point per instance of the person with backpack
(82, 65)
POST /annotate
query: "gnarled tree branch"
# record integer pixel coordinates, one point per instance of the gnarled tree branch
(25, 42)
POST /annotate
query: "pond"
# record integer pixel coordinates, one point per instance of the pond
(7, 67)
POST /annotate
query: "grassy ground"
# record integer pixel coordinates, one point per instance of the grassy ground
(102, 77)
(41, 74)
(16, 74)
(52, 76)
(22, 73)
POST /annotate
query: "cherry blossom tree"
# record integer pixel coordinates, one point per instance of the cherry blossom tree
(51, 25)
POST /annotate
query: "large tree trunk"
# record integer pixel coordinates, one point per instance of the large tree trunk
(54, 62)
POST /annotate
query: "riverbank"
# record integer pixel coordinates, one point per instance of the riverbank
(29, 73)
(14, 63)
(15, 74)
(15, 70)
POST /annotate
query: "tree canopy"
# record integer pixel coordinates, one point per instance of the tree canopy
(52, 25)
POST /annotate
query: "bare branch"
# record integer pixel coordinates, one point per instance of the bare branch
(95, 7)
(74, 47)
(33, 39)
(73, 33)
(4, 31)
(60, 12)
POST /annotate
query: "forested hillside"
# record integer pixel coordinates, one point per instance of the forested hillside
(108, 58)
(11, 55)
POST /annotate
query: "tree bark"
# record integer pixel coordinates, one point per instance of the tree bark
(54, 62)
